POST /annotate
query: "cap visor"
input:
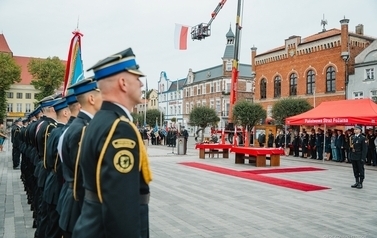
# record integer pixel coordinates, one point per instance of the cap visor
(136, 71)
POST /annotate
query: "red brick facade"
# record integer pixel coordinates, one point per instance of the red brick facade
(299, 56)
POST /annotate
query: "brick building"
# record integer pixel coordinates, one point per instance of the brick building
(211, 86)
(20, 96)
(315, 67)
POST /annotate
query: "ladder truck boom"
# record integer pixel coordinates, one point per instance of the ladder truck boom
(203, 30)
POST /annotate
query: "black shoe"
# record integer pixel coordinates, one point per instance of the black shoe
(355, 185)
(359, 186)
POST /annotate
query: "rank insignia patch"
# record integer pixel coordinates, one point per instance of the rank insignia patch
(124, 161)
(124, 143)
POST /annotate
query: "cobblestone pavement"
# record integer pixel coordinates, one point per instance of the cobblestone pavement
(190, 202)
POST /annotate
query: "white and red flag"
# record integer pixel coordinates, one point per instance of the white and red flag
(180, 37)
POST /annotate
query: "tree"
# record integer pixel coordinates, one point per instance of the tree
(48, 75)
(10, 73)
(289, 107)
(247, 114)
(203, 116)
(151, 116)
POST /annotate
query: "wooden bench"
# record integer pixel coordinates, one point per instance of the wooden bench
(257, 155)
(213, 149)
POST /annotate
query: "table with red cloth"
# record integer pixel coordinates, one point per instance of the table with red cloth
(259, 155)
(213, 148)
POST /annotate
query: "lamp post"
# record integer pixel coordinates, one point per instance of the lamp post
(345, 57)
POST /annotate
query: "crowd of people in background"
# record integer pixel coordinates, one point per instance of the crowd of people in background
(163, 136)
(334, 144)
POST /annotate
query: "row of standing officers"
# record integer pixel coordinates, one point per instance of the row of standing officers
(84, 165)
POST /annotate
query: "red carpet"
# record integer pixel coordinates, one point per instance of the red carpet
(283, 170)
(261, 178)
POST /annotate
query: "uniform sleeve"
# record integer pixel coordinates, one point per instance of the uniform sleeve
(364, 149)
(120, 183)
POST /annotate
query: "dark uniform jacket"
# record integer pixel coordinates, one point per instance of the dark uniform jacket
(359, 147)
(42, 134)
(71, 207)
(54, 178)
(115, 169)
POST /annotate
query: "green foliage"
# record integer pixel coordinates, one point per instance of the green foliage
(203, 116)
(151, 116)
(289, 107)
(137, 118)
(48, 75)
(10, 73)
(246, 113)
(173, 119)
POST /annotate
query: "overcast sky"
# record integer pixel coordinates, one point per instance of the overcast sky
(43, 28)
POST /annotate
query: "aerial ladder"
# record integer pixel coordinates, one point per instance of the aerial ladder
(201, 31)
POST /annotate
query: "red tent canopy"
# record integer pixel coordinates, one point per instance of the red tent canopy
(343, 112)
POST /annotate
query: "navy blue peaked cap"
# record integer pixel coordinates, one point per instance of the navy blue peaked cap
(84, 86)
(116, 63)
(60, 104)
(49, 100)
(70, 97)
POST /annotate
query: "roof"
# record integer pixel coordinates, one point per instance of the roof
(4, 47)
(230, 33)
(328, 113)
(173, 86)
(26, 77)
(319, 36)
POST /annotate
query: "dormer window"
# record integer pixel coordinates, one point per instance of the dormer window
(228, 65)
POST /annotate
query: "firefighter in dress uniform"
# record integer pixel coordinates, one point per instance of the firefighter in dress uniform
(113, 158)
(89, 98)
(358, 154)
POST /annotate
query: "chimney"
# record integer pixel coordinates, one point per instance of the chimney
(359, 29)
(253, 55)
(344, 38)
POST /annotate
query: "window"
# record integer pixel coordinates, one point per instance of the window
(199, 89)
(35, 95)
(187, 108)
(191, 91)
(218, 106)
(358, 95)
(293, 85)
(310, 82)
(277, 87)
(212, 88)
(263, 89)
(9, 95)
(28, 107)
(19, 95)
(228, 65)
(171, 110)
(19, 107)
(330, 79)
(164, 97)
(373, 95)
(227, 88)
(175, 95)
(191, 106)
(175, 110)
(179, 109)
(248, 86)
(179, 94)
(212, 104)
(218, 89)
(204, 103)
(28, 95)
(369, 74)
(10, 107)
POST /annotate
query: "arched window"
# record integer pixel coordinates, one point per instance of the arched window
(293, 85)
(277, 87)
(263, 89)
(330, 79)
(310, 82)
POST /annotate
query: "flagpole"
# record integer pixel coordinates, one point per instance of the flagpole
(176, 107)
(145, 102)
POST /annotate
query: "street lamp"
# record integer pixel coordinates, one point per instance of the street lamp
(345, 57)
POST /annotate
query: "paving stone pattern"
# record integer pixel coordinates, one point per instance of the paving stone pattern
(189, 202)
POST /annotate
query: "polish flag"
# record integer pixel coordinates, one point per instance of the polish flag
(180, 37)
